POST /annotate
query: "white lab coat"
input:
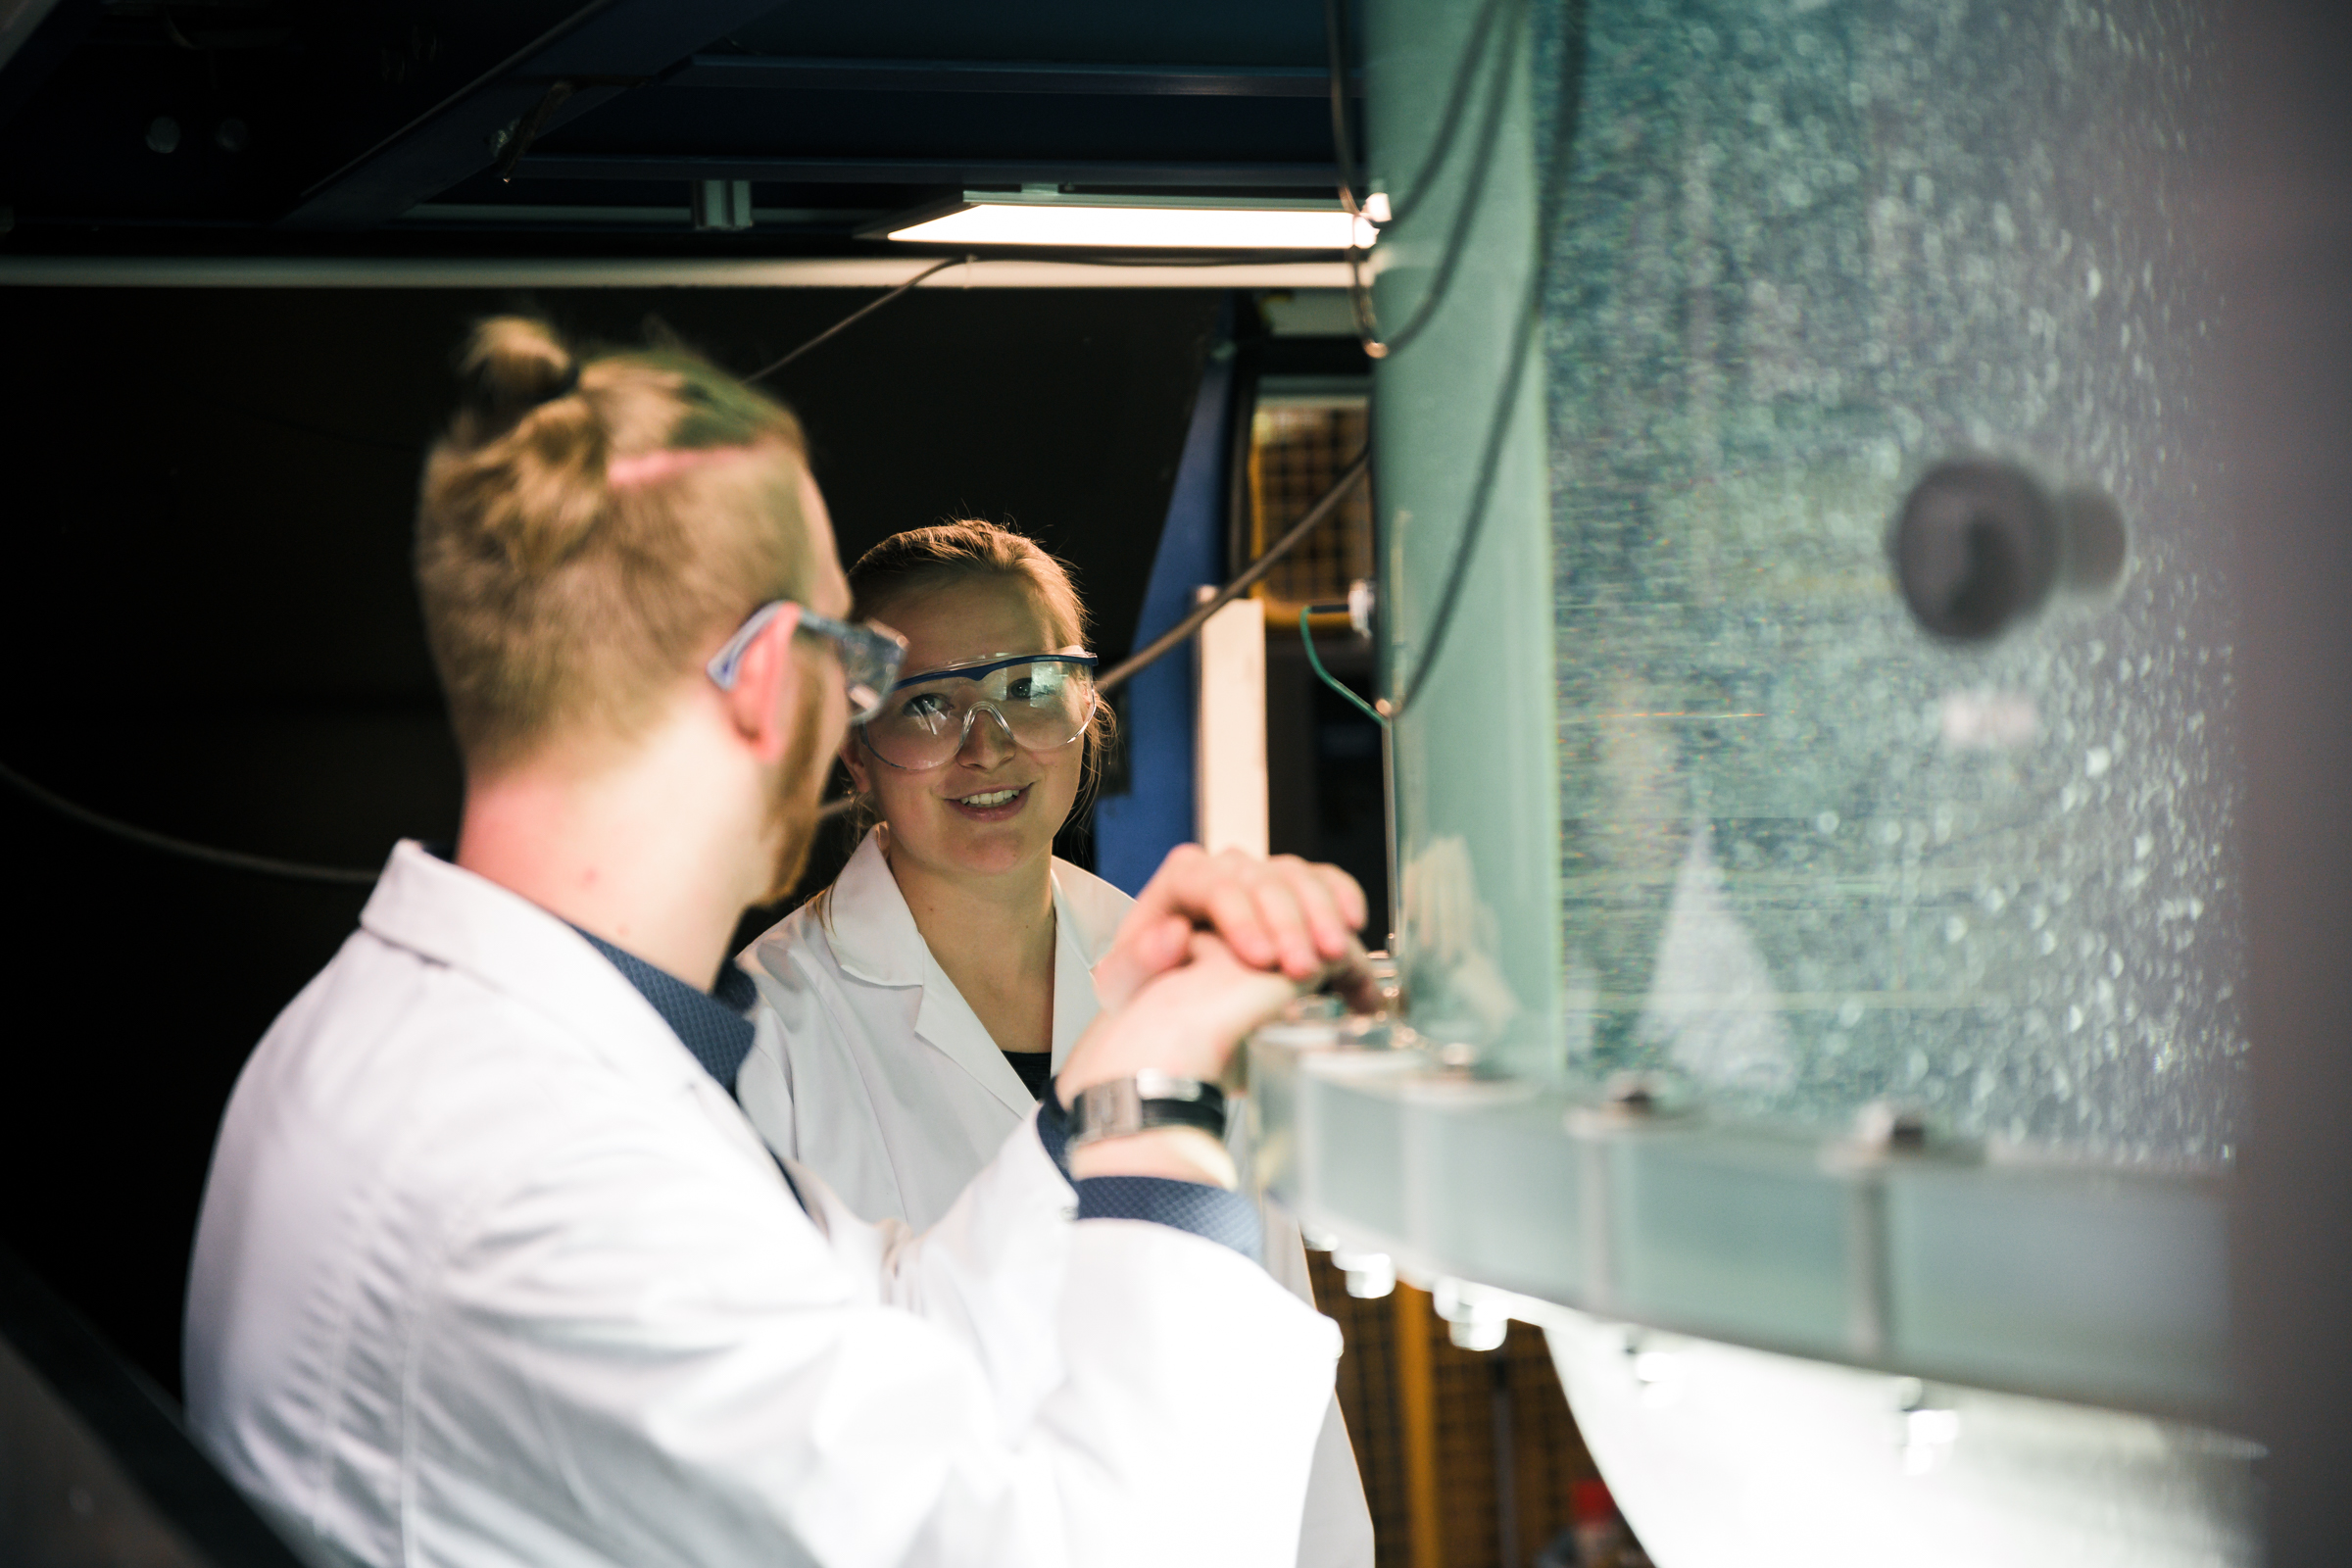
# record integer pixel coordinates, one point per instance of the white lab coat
(490, 1272)
(872, 1070)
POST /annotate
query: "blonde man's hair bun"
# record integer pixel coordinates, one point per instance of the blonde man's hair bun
(557, 602)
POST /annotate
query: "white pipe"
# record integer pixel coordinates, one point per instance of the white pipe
(886, 272)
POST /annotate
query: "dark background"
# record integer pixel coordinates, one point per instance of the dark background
(212, 630)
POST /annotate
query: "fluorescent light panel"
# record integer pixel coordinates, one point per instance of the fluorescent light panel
(991, 218)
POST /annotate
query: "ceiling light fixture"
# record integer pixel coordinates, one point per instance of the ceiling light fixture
(1116, 222)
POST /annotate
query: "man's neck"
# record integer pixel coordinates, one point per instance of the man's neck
(633, 849)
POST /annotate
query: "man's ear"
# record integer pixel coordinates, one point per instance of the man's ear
(767, 687)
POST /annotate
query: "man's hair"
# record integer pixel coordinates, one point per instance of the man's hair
(590, 527)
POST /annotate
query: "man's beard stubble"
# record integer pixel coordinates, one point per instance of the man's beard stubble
(803, 778)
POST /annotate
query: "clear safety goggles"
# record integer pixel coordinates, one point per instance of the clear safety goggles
(1042, 701)
(870, 654)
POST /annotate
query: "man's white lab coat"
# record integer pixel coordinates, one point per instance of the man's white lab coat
(490, 1271)
(872, 1070)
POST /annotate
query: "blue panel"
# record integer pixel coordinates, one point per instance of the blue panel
(1134, 831)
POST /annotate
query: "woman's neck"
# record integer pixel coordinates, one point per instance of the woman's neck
(994, 936)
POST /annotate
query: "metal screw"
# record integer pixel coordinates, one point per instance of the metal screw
(231, 136)
(1897, 1129)
(163, 134)
(1633, 1095)
(1370, 1275)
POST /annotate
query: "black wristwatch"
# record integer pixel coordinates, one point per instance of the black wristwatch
(1125, 1107)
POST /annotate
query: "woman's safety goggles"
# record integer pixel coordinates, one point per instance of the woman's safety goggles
(870, 654)
(1043, 701)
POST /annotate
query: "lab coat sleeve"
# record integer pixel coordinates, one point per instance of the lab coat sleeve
(979, 1274)
(701, 1377)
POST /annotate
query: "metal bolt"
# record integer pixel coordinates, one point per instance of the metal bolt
(231, 136)
(1633, 1095)
(1895, 1129)
(1474, 1319)
(163, 134)
(1370, 1275)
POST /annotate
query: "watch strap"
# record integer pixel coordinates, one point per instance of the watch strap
(1125, 1107)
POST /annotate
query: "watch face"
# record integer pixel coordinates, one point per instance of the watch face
(1122, 1107)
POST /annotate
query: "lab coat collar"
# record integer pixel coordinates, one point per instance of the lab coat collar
(450, 915)
(873, 936)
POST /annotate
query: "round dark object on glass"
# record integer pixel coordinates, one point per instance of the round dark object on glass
(2096, 541)
(163, 134)
(231, 136)
(1976, 547)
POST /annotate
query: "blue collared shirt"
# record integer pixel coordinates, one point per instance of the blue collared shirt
(714, 1028)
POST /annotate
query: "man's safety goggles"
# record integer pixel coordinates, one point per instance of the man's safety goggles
(870, 654)
(1043, 701)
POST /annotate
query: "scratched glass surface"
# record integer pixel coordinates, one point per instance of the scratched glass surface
(1813, 856)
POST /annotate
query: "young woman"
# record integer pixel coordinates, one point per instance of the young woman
(924, 1000)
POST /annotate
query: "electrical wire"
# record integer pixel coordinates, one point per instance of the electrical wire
(1360, 465)
(857, 315)
(1475, 51)
(1433, 642)
(1449, 122)
(1176, 635)
(294, 870)
(233, 859)
(1548, 204)
(1466, 211)
(1306, 635)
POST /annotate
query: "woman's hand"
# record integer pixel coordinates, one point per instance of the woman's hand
(1280, 914)
(1184, 1022)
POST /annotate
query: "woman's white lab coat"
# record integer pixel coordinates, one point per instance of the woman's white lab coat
(875, 1074)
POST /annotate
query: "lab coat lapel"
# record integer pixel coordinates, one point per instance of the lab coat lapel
(1074, 953)
(874, 938)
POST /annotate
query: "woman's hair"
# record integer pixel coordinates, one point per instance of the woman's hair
(925, 560)
(587, 530)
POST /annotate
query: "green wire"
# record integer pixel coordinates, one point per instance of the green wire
(1306, 635)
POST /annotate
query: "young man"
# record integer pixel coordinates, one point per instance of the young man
(492, 1270)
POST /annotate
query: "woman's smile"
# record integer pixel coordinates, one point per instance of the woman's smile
(990, 806)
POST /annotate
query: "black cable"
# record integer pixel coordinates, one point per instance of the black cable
(857, 315)
(1449, 122)
(1475, 50)
(233, 859)
(1548, 204)
(1465, 214)
(1175, 635)
(1246, 580)
(1490, 462)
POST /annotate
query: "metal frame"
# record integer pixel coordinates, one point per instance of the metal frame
(2075, 1282)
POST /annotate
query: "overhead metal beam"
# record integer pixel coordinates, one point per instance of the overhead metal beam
(598, 52)
(776, 73)
(19, 19)
(952, 171)
(36, 36)
(881, 272)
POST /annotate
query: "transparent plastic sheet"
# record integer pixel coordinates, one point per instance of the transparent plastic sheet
(1814, 855)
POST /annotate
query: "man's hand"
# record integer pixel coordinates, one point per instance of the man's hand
(1280, 914)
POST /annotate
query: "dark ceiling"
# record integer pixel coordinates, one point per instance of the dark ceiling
(244, 127)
